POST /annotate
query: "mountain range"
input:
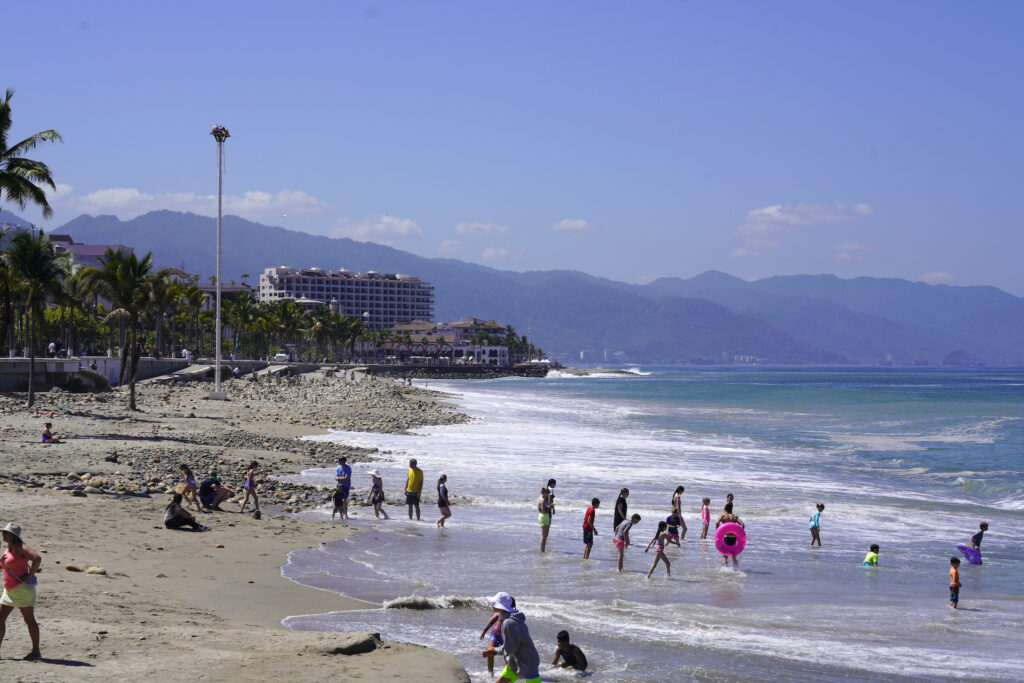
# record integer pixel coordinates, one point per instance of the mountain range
(713, 317)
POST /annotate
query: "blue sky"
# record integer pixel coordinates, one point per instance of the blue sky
(627, 140)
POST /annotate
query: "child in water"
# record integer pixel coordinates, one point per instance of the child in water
(976, 539)
(494, 626)
(705, 517)
(871, 559)
(621, 539)
(672, 521)
(659, 540)
(954, 582)
(815, 524)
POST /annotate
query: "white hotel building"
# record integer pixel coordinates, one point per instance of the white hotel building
(389, 299)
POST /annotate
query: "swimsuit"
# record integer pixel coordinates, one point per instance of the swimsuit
(815, 519)
(705, 514)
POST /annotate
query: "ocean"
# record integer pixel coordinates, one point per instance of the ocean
(910, 459)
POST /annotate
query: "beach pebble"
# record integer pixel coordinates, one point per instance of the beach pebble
(72, 568)
(96, 570)
(92, 489)
(220, 545)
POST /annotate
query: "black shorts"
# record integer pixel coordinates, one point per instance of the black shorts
(588, 537)
(412, 498)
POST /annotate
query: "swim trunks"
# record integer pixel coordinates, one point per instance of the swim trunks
(588, 538)
(544, 519)
(510, 675)
(412, 498)
(620, 544)
(954, 593)
(673, 533)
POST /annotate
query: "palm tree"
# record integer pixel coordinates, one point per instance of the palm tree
(32, 259)
(126, 282)
(20, 178)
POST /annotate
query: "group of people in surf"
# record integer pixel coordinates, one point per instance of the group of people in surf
(669, 531)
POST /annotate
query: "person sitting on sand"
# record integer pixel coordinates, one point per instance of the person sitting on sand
(19, 565)
(212, 492)
(48, 436)
(176, 516)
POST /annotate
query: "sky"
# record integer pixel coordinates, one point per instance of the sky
(625, 140)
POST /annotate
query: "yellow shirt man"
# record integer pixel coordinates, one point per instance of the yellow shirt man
(413, 486)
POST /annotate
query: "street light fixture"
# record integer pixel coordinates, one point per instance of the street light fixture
(220, 134)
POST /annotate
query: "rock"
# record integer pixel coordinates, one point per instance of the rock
(77, 493)
(111, 458)
(220, 545)
(352, 644)
(96, 570)
(92, 489)
(72, 568)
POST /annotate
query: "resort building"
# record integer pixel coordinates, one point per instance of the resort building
(85, 255)
(382, 300)
(435, 343)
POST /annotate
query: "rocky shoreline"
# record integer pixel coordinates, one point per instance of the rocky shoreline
(309, 401)
(97, 500)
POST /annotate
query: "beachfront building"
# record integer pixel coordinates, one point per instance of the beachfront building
(460, 343)
(381, 300)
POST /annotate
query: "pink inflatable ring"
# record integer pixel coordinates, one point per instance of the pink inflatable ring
(730, 539)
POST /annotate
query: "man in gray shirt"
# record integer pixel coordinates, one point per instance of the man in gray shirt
(518, 649)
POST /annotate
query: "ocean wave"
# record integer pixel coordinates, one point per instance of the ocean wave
(419, 602)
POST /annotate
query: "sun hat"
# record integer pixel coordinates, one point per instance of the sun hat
(13, 529)
(374, 473)
(502, 601)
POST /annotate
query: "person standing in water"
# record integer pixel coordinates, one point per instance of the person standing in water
(442, 500)
(677, 509)
(544, 507)
(815, 524)
(413, 487)
(621, 508)
(726, 517)
(658, 542)
(589, 528)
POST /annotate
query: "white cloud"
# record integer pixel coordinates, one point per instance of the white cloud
(577, 225)
(936, 277)
(480, 228)
(449, 246)
(763, 227)
(494, 253)
(380, 228)
(129, 202)
(849, 251)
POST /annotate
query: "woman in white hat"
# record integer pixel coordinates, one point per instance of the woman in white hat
(377, 494)
(19, 565)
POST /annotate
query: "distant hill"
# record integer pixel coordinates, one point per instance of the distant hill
(711, 317)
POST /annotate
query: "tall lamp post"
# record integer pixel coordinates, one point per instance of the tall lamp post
(220, 134)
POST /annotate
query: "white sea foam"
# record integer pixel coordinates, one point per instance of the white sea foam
(775, 617)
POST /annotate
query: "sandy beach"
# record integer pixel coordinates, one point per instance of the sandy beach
(177, 603)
